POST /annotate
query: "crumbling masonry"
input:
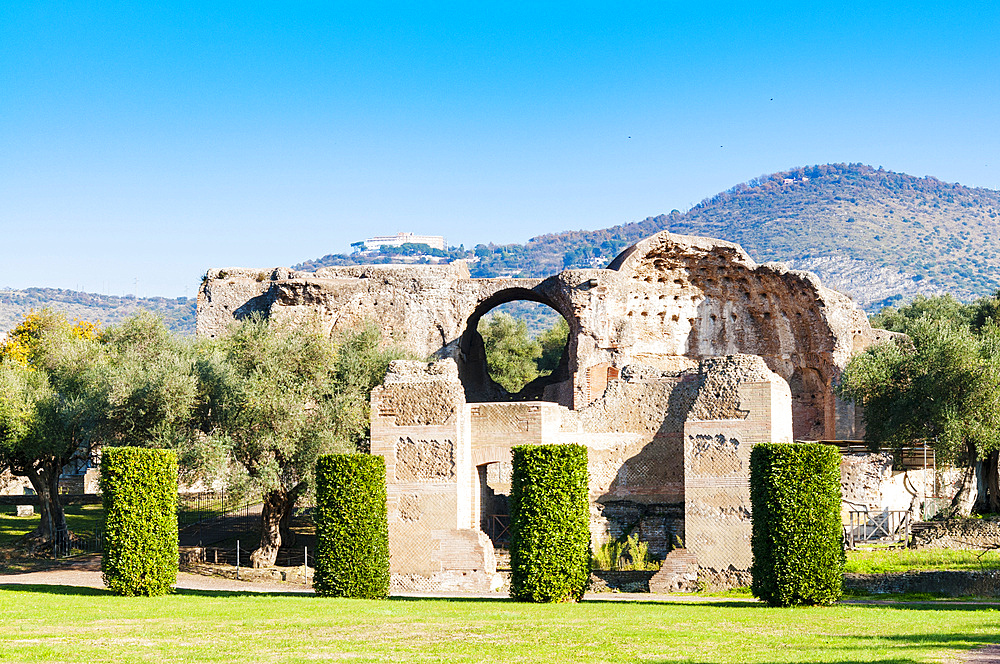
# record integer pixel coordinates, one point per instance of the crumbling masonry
(682, 354)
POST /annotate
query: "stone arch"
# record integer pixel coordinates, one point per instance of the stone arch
(472, 367)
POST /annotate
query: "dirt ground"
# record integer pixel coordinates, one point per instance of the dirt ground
(85, 571)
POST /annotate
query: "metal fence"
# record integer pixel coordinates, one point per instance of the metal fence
(497, 527)
(293, 564)
(885, 527)
(214, 516)
(65, 545)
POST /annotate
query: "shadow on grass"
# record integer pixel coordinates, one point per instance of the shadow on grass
(866, 660)
(193, 592)
(53, 589)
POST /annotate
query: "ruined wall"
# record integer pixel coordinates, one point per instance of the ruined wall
(12, 485)
(655, 470)
(682, 354)
(741, 403)
(685, 297)
(869, 482)
(421, 428)
(667, 302)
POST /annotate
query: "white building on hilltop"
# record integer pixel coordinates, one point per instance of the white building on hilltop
(399, 239)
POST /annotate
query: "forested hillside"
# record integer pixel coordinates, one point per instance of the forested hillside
(878, 235)
(178, 314)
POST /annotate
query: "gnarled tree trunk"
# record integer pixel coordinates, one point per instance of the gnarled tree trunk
(991, 478)
(52, 525)
(965, 499)
(274, 519)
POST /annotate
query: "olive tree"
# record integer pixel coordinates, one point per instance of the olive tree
(276, 397)
(941, 384)
(66, 389)
(51, 391)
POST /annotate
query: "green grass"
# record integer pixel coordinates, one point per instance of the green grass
(86, 518)
(62, 624)
(884, 561)
(79, 518)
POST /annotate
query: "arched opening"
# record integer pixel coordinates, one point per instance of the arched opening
(516, 348)
(494, 502)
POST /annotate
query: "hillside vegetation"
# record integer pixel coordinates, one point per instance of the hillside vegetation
(178, 314)
(882, 237)
(878, 235)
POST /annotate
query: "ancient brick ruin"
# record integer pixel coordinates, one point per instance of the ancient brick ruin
(682, 354)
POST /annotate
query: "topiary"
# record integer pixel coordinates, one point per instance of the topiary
(549, 523)
(797, 539)
(139, 486)
(352, 533)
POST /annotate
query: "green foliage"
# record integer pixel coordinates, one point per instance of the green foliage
(140, 529)
(627, 556)
(549, 523)
(798, 555)
(277, 397)
(274, 398)
(151, 385)
(352, 537)
(511, 355)
(937, 307)
(940, 385)
(984, 311)
(51, 375)
(514, 358)
(553, 342)
(607, 556)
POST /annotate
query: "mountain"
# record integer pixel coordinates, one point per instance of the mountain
(877, 235)
(178, 314)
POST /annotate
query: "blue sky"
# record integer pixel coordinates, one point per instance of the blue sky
(141, 144)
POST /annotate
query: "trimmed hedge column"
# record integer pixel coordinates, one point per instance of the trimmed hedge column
(798, 551)
(140, 520)
(352, 531)
(549, 523)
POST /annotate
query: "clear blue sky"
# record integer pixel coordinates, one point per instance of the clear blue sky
(141, 144)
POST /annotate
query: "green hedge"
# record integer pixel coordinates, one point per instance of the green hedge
(549, 523)
(140, 520)
(352, 532)
(798, 552)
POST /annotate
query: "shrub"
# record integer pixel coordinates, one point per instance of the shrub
(549, 523)
(352, 532)
(632, 555)
(798, 554)
(140, 522)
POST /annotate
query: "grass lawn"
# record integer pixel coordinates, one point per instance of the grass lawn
(62, 624)
(86, 518)
(882, 561)
(79, 518)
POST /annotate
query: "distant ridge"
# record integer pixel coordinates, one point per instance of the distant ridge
(178, 313)
(877, 235)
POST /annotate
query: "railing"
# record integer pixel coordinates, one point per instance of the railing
(497, 527)
(65, 545)
(887, 526)
(217, 513)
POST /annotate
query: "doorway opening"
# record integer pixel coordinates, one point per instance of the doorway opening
(494, 502)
